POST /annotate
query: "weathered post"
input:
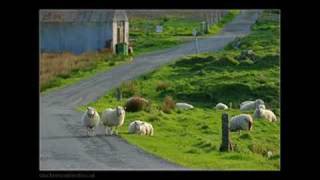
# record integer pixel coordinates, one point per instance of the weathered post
(226, 144)
(194, 33)
(119, 94)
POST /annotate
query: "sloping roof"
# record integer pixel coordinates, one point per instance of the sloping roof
(82, 15)
(120, 15)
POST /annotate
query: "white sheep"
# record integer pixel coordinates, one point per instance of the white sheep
(183, 106)
(261, 112)
(149, 128)
(140, 127)
(250, 105)
(221, 106)
(113, 119)
(241, 122)
(91, 120)
(133, 126)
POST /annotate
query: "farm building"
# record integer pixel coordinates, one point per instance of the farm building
(79, 31)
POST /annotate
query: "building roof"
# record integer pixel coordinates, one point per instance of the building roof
(82, 15)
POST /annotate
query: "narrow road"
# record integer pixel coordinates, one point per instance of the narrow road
(63, 144)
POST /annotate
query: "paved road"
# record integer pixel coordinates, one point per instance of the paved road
(63, 144)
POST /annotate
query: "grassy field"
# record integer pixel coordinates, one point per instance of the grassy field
(175, 31)
(60, 70)
(192, 138)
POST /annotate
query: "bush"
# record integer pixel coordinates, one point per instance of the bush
(165, 19)
(247, 54)
(129, 89)
(136, 104)
(168, 104)
(227, 60)
(162, 86)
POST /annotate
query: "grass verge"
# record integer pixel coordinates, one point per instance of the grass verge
(192, 138)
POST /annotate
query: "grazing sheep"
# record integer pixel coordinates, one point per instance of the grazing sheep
(133, 126)
(90, 120)
(149, 128)
(261, 112)
(250, 105)
(183, 106)
(140, 127)
(241, 122)
(113, 119)
(221, 106)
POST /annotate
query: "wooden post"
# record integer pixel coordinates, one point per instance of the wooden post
(226, 144)
(119, 94)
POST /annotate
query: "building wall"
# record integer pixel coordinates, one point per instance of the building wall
(114, 36)
(126, 32)
(74, 37)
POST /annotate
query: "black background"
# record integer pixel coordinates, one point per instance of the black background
(22, 54)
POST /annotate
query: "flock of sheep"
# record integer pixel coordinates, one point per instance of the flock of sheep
(112, 119)
(245, 121)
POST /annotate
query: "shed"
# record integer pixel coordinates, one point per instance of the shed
(80, 31)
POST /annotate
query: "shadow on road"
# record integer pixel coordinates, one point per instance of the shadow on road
(84, 136)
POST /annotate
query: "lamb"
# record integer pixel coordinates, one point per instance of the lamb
(113, 119)
(261, 112)
(241, 122)
(183, 106)
(140, 127)
(91, 120)
(221, 106)
(250, 105)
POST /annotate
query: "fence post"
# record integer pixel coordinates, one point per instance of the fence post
(119, 94)
(226, 144)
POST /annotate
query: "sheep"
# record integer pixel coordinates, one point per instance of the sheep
(149, 128)
(221, 106)
(250, 105)
(261, 112)
(183, 106)
(241, 122)
(113, 118)
(140, 127)
(133, 126)
(91, 120)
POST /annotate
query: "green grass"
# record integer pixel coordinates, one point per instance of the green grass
(192, 138)
(175, 30)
